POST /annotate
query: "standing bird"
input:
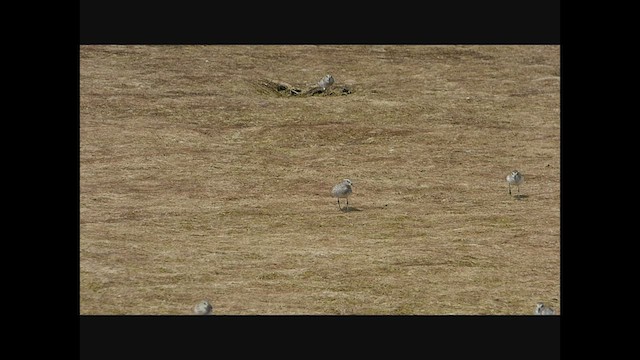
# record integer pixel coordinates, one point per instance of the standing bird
(203, 308)
(326, 82)
(543, 310)
(342, 190)
(515, 178)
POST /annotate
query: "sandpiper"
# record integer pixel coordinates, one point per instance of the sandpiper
(541, 309)
(326, 82)
(342, 190)
(203, 308)
(515, 178)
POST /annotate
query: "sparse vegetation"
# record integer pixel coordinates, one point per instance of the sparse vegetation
(197, 182)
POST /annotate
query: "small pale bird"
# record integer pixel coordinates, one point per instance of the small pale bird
(515, 178)
(541, 309)
(326, 82)
(342, 190)
(203, 308)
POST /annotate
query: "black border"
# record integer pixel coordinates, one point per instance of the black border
(437, 337)
(208, 22)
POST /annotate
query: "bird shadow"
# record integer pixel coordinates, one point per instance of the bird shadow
(351, 208)
(520, 197)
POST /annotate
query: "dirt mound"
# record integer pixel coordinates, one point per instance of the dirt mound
(285, 89)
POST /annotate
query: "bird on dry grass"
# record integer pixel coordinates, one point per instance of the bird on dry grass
(541, 309)
(342, 190)
(326, 82)
(515, 178)
(203, 308)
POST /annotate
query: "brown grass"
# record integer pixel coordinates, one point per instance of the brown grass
(196, 182)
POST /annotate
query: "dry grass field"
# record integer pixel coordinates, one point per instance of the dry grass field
(198, 182)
